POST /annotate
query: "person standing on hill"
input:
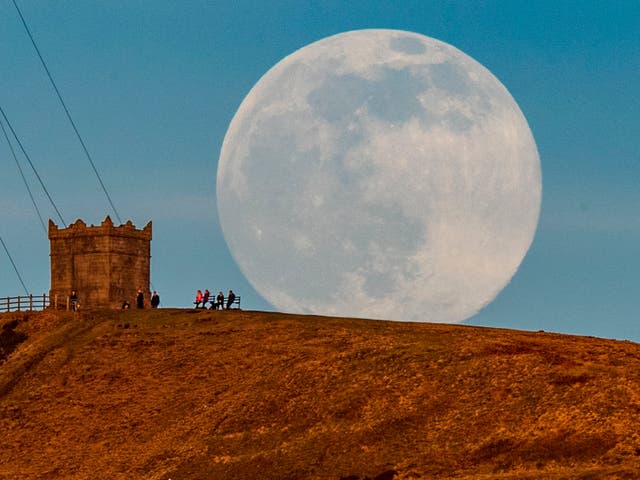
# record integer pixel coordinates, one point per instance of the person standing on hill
(199, 298)
(230, 299)
(155, 300)
(140, 299)
(73, 300)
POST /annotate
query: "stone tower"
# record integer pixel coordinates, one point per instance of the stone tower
(104, 264)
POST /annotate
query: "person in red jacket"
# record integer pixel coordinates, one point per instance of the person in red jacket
(199, 298)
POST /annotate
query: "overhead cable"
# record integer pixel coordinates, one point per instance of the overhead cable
(64, 106)
(14, 266)
(26, 184)
(26, 155)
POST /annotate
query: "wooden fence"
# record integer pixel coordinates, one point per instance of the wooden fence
(32, 302)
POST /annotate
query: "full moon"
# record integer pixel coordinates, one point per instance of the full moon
(379, 174)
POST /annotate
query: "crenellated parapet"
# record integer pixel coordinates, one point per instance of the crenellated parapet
(79, 228)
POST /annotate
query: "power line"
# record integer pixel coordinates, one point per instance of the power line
(26, 184)
(64, 106)
(24, 152)
(14, 266)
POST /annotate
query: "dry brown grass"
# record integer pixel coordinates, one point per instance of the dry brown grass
(180, 394)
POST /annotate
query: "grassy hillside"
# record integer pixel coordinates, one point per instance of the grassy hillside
(186, 395)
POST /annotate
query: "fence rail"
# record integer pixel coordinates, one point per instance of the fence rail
(31, 302)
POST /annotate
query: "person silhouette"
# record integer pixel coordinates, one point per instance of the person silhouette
(230, 299)
(155, 300)
(73, 300)
(219, 301)
(205, 298)
(140, 299)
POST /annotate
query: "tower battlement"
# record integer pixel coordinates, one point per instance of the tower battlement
(104, 264)
(106, 228)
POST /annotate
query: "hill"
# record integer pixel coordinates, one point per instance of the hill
(186, 395)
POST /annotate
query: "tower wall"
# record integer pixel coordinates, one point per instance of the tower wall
(104, 264)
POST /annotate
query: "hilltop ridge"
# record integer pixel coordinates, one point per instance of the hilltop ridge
(191, 394)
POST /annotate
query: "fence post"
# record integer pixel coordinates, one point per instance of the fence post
(31, 302)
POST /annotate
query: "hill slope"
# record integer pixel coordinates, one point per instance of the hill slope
(185, 395)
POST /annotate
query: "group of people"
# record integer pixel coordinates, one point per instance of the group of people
(201, 300)
(155, 300)
(218, 303)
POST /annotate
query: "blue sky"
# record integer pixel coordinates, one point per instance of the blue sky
(153, 85)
